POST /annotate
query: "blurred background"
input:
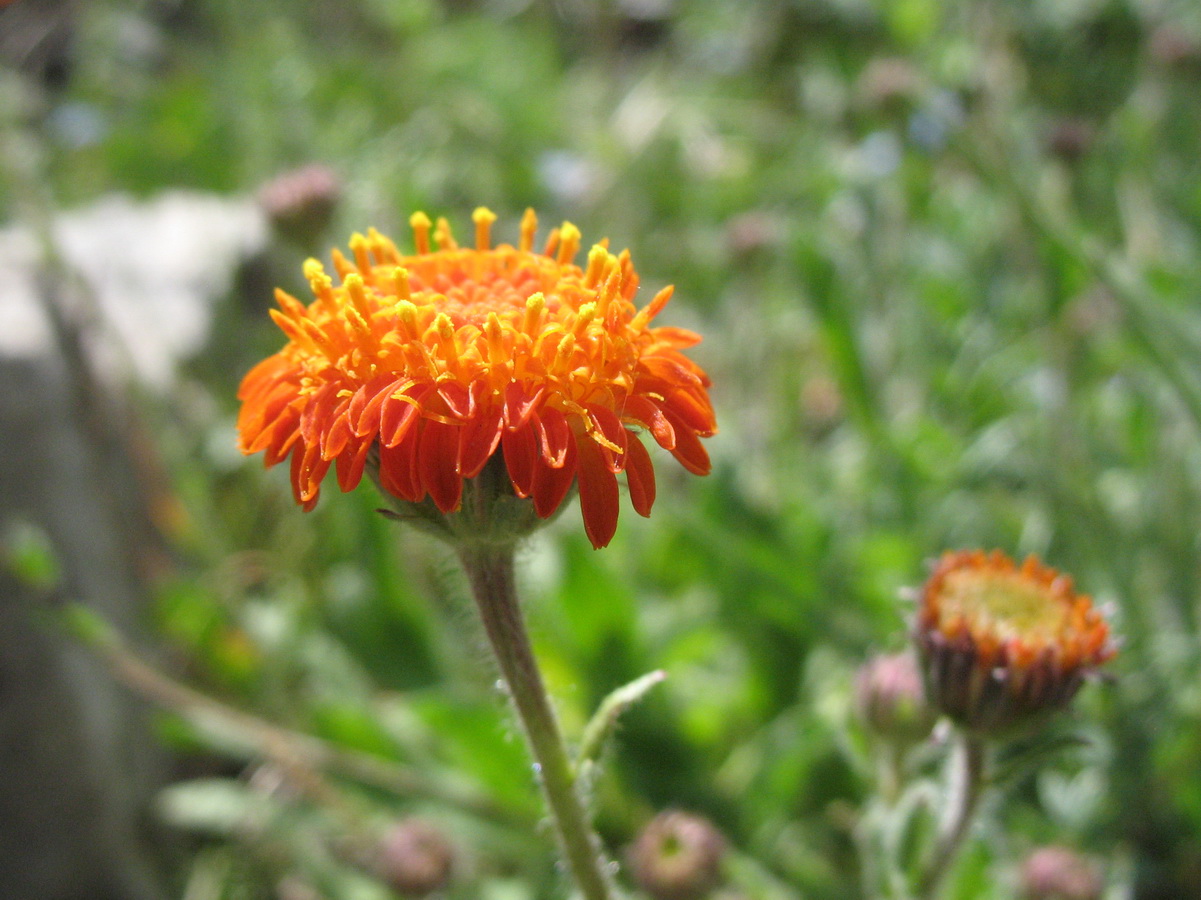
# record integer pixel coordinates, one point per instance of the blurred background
(946, 261)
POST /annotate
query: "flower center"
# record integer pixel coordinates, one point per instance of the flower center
(1003, 604)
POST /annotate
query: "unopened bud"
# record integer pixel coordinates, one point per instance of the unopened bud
(300, 203)
(891, 700)
(678, 856)
(1058, 873)
(1071, 138)
(414, 858)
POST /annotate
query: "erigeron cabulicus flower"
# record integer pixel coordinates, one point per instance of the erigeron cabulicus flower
(423, 368)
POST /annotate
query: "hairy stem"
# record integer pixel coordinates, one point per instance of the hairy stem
(964, 789)
(490, 569)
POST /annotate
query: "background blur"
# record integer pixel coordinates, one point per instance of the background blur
(946, 261)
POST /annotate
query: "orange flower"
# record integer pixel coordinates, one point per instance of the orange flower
(1001, 642)
(429, 365)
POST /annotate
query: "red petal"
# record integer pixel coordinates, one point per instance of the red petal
(598, 494)
(646, 411)
(317, 413)
(552, 483)
(336, 435)
(350, 464)
(398, 416)
(688, 449)
(478, 439)
(521, 451)
(555, 435)
(459, 400)
(694, 411)
(610, 428)
(519, 405)
(437, 458)
(398, 470)
(640, 476)
(312, 470)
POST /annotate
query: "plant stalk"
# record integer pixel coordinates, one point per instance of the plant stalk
(490, 570)
(965, 787)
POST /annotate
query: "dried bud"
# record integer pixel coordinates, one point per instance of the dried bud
(300, 203)
(891, 700)
(1058, 873)
(888, 83)
(678, 856)
(1071, 138)
(1175, 49)
(1003, 644)
(414, 858)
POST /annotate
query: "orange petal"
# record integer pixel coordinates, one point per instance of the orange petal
(283, 436)
(365, 405)
(648, 413)
(598, 494)
(640, 476)
(688, 449)
(692, 410)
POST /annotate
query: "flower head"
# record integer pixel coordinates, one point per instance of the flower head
(427, 366)
(1001, 643)
(678, 856)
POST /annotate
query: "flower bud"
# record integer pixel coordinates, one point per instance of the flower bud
(300, 203)
(1002, 645)
(1058, 873)
(414, 858)
(891, 701)
(678, 856)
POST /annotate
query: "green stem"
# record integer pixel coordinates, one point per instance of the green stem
(490, 570)
(965, 787)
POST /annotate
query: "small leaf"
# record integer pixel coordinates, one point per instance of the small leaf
(605, 719)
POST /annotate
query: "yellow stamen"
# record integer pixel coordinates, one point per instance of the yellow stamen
(534, 307)
(443, 236)
(483, 218)
(584, 318)
(446, 336)
(564, 352)
(319, 282)
(495, 334)
(529, 225)
(569, 237)
(400, 283)
(341, 264)
(420, 223)
(406, 312)
(358, 246)
(597, 257)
